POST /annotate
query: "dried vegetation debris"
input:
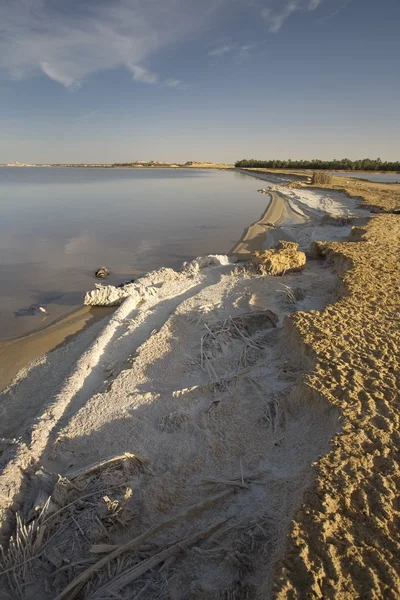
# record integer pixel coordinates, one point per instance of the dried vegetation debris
(62, 549)
(63, 520)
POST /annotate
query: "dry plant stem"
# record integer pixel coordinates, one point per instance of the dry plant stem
(142, 591)
(246, 340)
(213, 335)
(99, 466)
(24, 562)
(76, 584)
(119, 485)
(132, 574)
(225, 482)
(102, 548)
(222, 381)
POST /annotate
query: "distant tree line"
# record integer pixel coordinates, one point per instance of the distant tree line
(344, 164)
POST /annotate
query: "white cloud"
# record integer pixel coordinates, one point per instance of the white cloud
(67, 41)
(72, 39)
(276, 17)
(53, 73)
(221, 50)
(266, 12)
(329, 16)
(176, 83)
(142, 74)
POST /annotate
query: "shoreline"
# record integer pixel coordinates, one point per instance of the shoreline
(277, 364)
(295, 172)
(18, 353)
(256, 235)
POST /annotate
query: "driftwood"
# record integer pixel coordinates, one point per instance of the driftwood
(76, 584)
(137, 571)
(103, 464)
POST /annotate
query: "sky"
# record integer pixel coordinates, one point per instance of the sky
(208, 80)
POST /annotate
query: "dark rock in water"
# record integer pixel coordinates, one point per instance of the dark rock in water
(125, 283)
(30, 311)
(102, 272)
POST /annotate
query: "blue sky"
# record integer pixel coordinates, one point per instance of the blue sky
(220, 80)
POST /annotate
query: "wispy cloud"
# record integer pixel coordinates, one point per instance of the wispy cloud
(176, 83)
(221, 50)
(276, 20)
(141, 74)
(244, 51)
(238, 52)
(87, 115)
(53, 72)
(276, 16)
(334, 13)
(69, 41)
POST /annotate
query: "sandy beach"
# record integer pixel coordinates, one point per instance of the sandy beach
(16, 354)
(262, 234)
(224, 433)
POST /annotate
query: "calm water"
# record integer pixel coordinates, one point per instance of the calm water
(378, 177)
(57, 226)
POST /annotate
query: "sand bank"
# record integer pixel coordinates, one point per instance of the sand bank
(263, 234)
(251, 408)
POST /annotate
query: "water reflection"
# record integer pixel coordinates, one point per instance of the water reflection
(57, 226)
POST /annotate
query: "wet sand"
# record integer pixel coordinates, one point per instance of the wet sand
(18, 353)
(260, 235)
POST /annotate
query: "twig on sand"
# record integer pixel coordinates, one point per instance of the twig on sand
(103, 464)
(239, 484)
(80, 498)
(213, 335)
(76, 584)
(102, 548)
(246, 340)
(134, 573)
(142, 591)
(218, 382)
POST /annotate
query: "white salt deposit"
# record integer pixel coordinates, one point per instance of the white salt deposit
(201, 262)
(143, 288)
(320, 202)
